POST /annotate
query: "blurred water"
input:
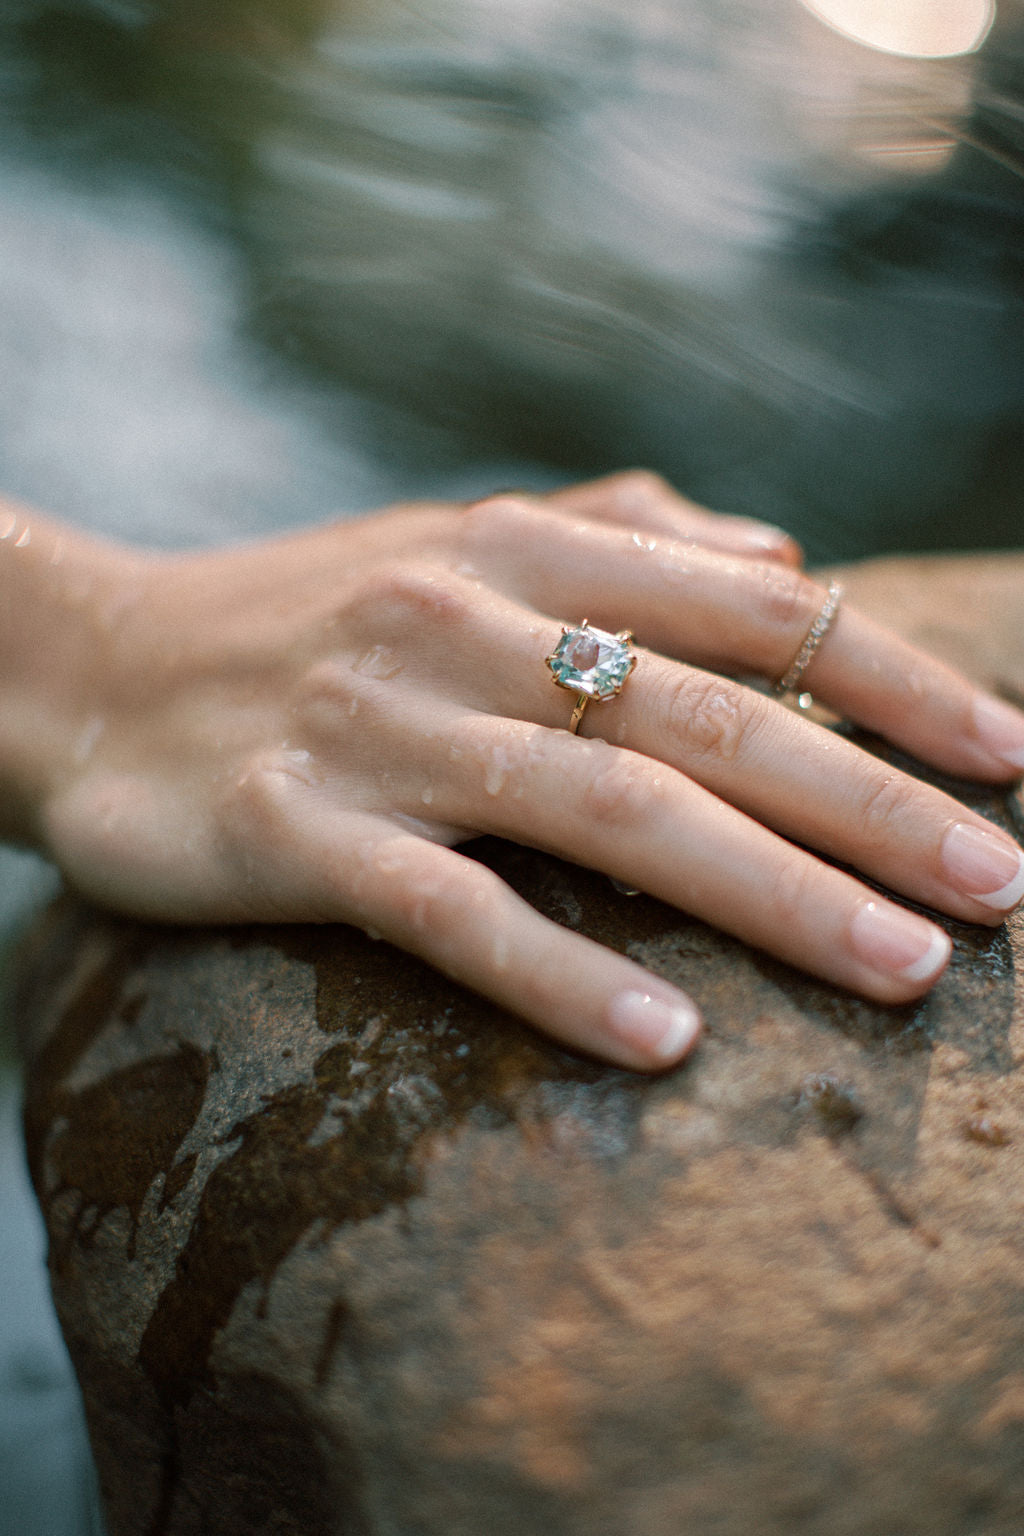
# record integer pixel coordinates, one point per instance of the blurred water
(778, 263)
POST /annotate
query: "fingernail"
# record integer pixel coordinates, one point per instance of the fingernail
(898, 942)
(985, 865)
(1000, 728)
(652, 1025)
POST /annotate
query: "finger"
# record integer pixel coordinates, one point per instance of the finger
(729, 614)
(806, 783)
(916, 701)
(642, 822)
(819, 789)
(642, 501)
(460, 917)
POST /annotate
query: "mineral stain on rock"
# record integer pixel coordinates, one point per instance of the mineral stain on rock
(108, 1143)
(120, 1135)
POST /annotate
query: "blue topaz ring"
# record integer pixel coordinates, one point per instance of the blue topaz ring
(592, 664)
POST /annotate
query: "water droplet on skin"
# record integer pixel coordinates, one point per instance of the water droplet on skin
(25, 539)
(495, 775)
(499, 765)
(676, 570)
(427, 795)
(10, 522)
(648, 545)
(374, 934)
(379, 662)
(299, 764)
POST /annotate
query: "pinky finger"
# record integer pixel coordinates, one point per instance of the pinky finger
(460, 917)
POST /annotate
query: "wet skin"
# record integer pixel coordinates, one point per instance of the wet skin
(306, 729)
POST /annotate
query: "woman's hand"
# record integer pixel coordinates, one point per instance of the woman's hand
(305, 730)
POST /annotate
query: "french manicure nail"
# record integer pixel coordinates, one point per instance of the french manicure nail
(652, 1025)
(1000, 728)
(985, 865)
(899, 943)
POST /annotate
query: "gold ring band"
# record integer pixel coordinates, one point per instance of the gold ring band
(592, 664)
(577, 715)
(823, 622)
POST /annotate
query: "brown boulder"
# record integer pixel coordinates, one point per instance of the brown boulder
(338, 1248)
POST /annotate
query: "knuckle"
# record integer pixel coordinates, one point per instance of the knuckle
(334, 695)
(621, 789)
(883, 806)
(786, 599)
(711, 716)
(253, 810)
(794, 892)
(403, 596)
(640, 488)
(327, 686)
(435, 901)
(494, 517)
(497, 508)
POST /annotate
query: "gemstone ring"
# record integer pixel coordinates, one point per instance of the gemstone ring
(592, 663)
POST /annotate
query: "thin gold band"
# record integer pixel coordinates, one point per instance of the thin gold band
(582, 701)
(826, 615)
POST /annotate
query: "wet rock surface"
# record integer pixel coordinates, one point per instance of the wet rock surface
(339, 1248)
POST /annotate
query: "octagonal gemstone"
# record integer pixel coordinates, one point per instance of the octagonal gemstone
(591, 661)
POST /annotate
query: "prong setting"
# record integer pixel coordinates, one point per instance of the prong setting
(592, 662)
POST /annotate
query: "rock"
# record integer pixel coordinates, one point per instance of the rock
(339, 1248)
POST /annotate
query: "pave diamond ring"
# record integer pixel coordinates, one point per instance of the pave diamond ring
(592, 663)
(823, 622)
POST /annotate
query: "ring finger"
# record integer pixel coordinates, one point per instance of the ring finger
(730, 614)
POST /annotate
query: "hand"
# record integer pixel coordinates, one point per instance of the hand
(305, 730)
